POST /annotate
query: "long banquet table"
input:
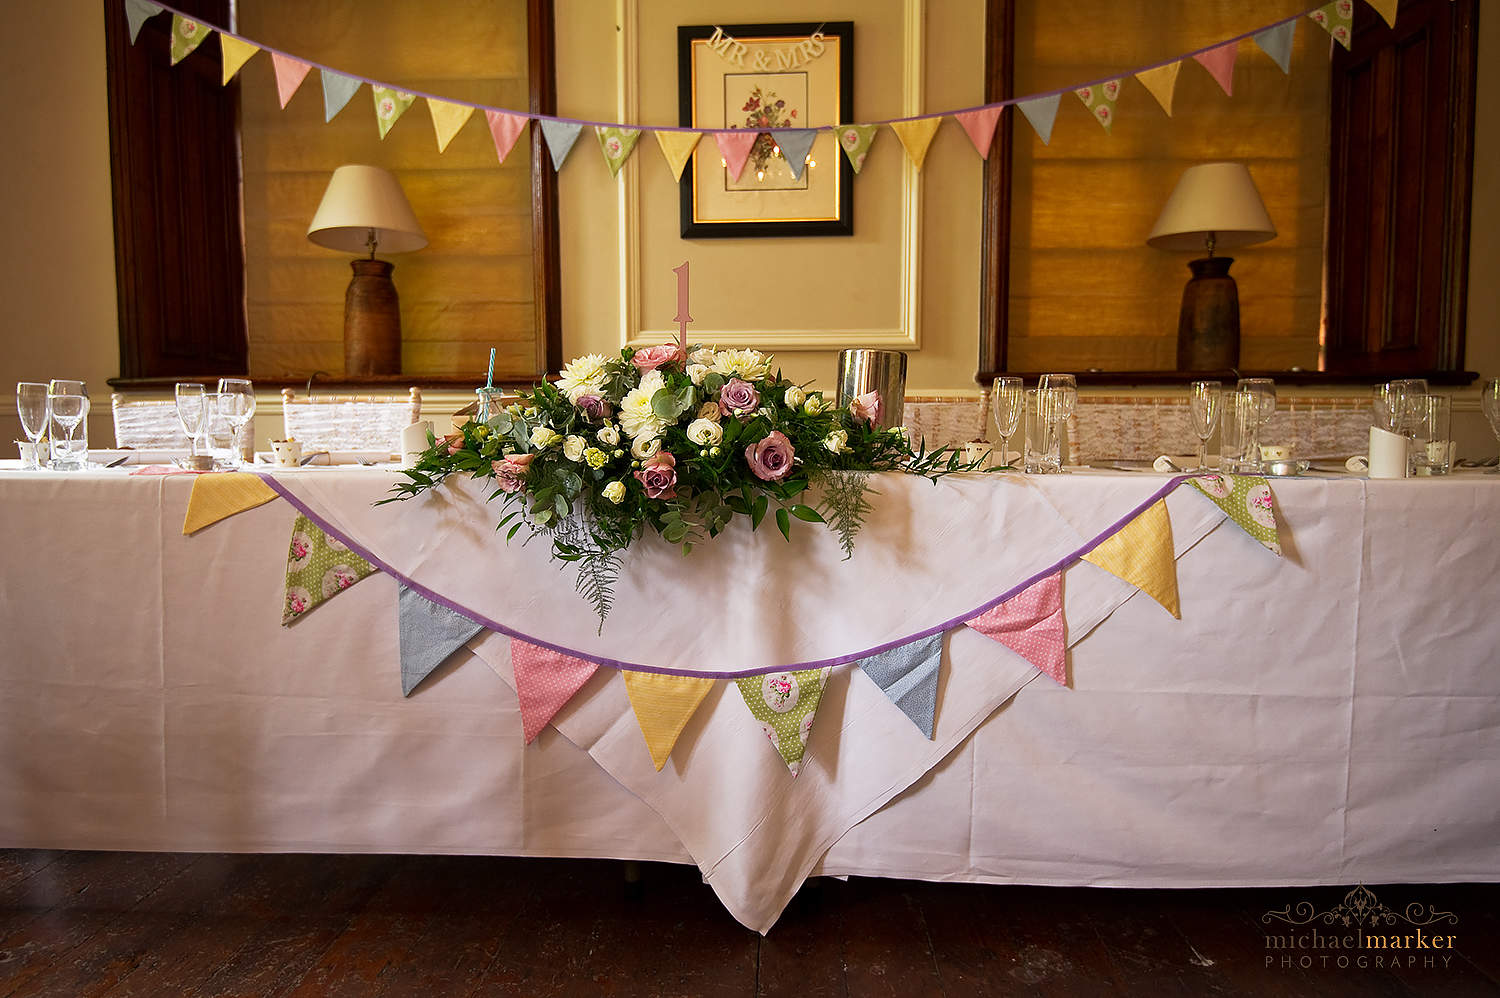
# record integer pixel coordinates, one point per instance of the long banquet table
(1332, 716)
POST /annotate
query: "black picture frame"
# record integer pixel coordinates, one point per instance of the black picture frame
(694, 227)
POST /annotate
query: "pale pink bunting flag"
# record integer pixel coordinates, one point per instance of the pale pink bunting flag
(505, 128)
(980, 126)
(1219, 61)
(289, 75)
(1031, 625)
(734, 146)
(545, 681)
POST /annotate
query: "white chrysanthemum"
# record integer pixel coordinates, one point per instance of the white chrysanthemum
(636, 417)
(582, 376)
(751, 365)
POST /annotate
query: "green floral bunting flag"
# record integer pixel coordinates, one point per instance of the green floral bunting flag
(856, 140)
(1337, 19)
(1248, 501)
(318, 567)
(186, 36)
(785, 703)
(616, 144)
(390, 104)
(1100, 100)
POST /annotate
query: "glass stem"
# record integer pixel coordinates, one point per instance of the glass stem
(1202, 453)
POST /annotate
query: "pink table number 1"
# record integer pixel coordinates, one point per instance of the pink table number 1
(682, 318)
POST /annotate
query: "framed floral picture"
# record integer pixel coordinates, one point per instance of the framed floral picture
(761, 77)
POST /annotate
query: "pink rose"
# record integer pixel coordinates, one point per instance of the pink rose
(651, 358)
(866, 407)
(455, 442)
(510, 471)
(594, 408)
(738, 397)
(770, 458)
(659, 476)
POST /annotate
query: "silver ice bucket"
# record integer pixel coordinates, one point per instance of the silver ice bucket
(879, 371)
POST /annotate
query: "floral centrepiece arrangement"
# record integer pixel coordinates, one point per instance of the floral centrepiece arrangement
(676, 440)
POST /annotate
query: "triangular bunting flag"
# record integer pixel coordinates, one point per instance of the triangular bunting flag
(1042, 113)
(1219, 61)
(1386, 9)
(1337, 19)
(215, 497)
(236, 52)
(734, 147)
(1162, 83)
(856, 140)
(1100, 100)
(616, 144)
(318, 568)
(916, 136)
(390, 104)
(289, 75)
(1249, 503)
(677, 148)
(337, 90)
(979, 126)
(429, 633)
(1276, 42)
(1141, 554)
(795, 144)
(560, 136)
(136, 13)
(908, 676)
(663, 705)
(785, 704)
(505, 128)
(1030, 624)
(187, 35)
(447, 119)
(545, 681)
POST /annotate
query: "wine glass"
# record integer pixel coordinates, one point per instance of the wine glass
(68, 410)
(237, 405)
(1383, 406)
(1007, 400)
(1066, 398)
(1264, 390)
(35, 409)
(1411, 392)
(62, 386)
(1206, 405)
(1489, 404)
(190, 407)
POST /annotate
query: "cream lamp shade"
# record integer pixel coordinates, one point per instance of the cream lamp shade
(365, 208)
(1213, 205)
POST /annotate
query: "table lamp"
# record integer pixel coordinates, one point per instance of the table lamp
(1214, 205)
(363, 210)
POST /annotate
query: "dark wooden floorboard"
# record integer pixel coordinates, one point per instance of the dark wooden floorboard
(134, 924)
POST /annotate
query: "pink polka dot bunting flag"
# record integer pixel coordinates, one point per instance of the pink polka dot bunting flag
(545, 681)
(1031, 625)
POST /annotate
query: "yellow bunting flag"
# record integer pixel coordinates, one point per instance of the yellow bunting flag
(1386, 9)
(1162, 82)
(676, 148)
(237, 52)
(916, 136)
(187, 35)
(447, 119)
(215, 497)
(663, 706)
(1141, 554)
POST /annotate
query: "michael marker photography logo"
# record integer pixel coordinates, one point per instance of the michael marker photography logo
(1360, 933)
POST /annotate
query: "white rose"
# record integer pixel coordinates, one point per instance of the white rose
(644, 447)
(696, 373)
(704, 432)
(794, 397)
(573, 447)
(614, 492)
(710, 411)
(609, 435)
(836, 442)
(543, 437)
(813, 405)
(702, 355)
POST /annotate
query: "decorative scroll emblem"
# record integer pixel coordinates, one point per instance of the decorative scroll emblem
(1360, 907)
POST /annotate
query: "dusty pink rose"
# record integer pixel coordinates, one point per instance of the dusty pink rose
(455, 442)
(866, 407)
(770, 458)
(594, 408)
(651, 358)
(659, 476)
(510, 471)
(738, 397)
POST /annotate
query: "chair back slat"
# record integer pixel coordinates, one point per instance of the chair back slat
(146, 423)
(941, 422)
(349, 422)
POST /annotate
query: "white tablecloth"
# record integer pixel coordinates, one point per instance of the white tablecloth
(1329, 717)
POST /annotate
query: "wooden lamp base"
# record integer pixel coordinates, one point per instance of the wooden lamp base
(372, 320)
(1208, 329)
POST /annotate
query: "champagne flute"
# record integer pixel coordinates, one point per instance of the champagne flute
(1489, 404)
(1264, 390)
(1206, 406)
(237, 405)
(35, 408)
(1007, 399)
(190, 405)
